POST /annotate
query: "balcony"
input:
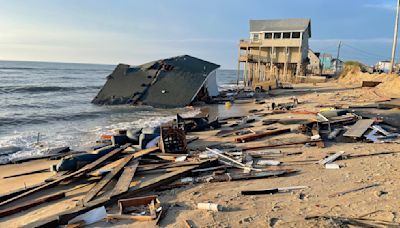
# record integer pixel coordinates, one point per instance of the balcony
(248, 43)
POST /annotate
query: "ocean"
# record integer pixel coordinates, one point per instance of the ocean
(51, 103)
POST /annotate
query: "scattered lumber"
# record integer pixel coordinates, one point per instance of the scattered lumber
(125, 179)
(331, 158)
(252, 137)
(28, 173)
(359, 128)
(89, 167)
(355, 190)
(19, 191)
(143, 187)
(32, 203)
(101, 184)
(315, 142)
(243, 176)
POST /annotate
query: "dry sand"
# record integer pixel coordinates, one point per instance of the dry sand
(352, 76)
(278, 210)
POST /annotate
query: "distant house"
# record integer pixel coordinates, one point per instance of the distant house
(314, 65)
(326, 61)
(276, 50)
(383, 66)
(340, 65)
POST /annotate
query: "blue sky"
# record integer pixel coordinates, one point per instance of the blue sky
(135, 32)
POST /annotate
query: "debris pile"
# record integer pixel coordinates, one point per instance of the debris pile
(126, 173)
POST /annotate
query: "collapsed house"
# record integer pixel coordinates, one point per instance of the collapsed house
(166, 83)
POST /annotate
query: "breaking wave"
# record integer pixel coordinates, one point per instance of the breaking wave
(42, 89)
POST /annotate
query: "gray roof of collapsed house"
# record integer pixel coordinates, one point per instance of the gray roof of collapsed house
(166, 83)
(280, 25)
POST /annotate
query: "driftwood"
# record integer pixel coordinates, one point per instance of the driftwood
(252, 137)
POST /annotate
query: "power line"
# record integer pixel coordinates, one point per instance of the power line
(365, 52)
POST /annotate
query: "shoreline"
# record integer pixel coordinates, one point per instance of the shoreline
(281, 210)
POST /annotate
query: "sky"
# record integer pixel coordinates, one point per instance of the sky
(136, 32)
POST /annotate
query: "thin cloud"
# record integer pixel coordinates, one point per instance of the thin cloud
(336, 41)
(384, 6)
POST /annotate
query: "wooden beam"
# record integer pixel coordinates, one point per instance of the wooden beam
(99, 186)
(125, 179)
(248, 138)
(134, 191)
(281, 145)
(87, 168)
(29, 204)
(105, 180)
(28, 173)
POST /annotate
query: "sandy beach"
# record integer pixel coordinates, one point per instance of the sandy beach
(277, 210)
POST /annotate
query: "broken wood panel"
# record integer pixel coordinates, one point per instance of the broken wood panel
(83, 170)
(30, 204)
(248, 138)
(125, 179)
(359, 128)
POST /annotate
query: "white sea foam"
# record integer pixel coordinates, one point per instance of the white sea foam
(79, 139)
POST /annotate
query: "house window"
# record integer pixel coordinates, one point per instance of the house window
(296, 35)
(268, 35)
(286, 35)
(277, 35)
(255, 36)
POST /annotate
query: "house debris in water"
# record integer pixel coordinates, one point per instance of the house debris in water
(166, 83)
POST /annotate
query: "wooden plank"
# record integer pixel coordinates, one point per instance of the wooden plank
(87, 168)
(99, 186)
(29, 204)
(359, 128)
(331, 158)
(248, 138)
(28, 173)
(63, 217)
(134, 191)
(281, 145)
(105, 180)
(125, 180)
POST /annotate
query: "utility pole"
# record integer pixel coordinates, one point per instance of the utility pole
(396, 28)
(337, 57)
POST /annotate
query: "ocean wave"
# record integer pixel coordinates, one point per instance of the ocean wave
(42, 89)
(57, 117)
(56, 69)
